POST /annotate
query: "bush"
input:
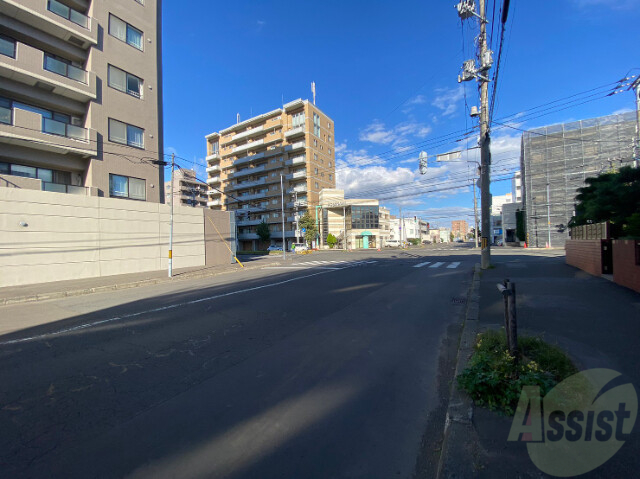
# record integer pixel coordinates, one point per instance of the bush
(331, 240)
(493, 378)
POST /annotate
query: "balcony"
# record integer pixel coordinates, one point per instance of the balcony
(248, 159)
(249, 184)
(248, 171)
(213, 157)
(296, 146)
(248, 236)
(297, 189)
(213, 168)
(34, 67)
(214, 203)
(298, 160)
(252, 197)
(55, 19)
(249, 222)
(294, 132)
(248, 134)
(25, 128)
(213, 180)
(248, 146)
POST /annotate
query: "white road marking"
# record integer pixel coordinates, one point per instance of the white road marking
(420, 265)
(455, 264)
(163, 308)
(436, 265)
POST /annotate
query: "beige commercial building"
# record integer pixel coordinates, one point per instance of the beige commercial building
(187, 189)
(246, 161)
(356, 223)
(81, 97)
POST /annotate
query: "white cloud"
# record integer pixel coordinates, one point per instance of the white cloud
(613, 4)
(372, 181)
(417, 100)
(378, 133)
(447, 100)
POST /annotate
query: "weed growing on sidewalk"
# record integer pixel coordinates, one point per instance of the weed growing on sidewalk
(494, 378)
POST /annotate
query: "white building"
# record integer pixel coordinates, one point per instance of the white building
(516, 187)
(498, 201)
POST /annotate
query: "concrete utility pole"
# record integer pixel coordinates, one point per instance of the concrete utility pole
(173, 196)
(475, 211)
(485, 152)
(284, 245)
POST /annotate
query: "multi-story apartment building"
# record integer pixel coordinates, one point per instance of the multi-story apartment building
(460, 228)
(516, 187)
(556, 160)
(247, 160)
(187, 189)
(81, 97)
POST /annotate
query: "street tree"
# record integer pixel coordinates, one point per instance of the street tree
(331, 240)
(263, 232)
(309, 224)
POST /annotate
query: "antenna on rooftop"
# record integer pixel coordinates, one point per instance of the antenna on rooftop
(237, 117)
(313, 90)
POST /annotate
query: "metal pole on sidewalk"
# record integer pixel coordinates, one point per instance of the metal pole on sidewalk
(475, 210)
(284, 246)
(173, 163)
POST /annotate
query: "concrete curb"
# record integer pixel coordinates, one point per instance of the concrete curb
(114, 287)
(458, 454)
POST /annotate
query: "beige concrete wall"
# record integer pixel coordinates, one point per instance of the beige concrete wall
(216, 242)
(70, 237)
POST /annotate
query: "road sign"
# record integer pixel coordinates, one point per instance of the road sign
(304, 230)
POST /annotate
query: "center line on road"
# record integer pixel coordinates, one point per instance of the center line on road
(420, 265)
(163, 308)
(436, 265)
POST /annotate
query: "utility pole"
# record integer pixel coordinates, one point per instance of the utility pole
(475, 210)
(485, 152)
(173, 164)
(466, 10)
(284, 245)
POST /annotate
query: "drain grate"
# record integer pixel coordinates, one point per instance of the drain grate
(458, 300)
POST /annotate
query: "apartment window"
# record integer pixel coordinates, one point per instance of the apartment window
(330, 177)
(329, 164)
(125, 82)
(7, 46)
(68, 13)
(127, 187)
(298, 120)
(315, 171)
(329, 138)
(275, 215)
(125, 134)
(6, 112)
(329, 150)
(317, 185)
(315, 142)
(125, 32)
(215, 147)
(316, 125)
(315, 157)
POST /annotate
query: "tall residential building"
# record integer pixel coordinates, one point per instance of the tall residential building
(187, 189)
(498, 201)
(247, 160)
(460, 228)
(81, 97)
(556, 160)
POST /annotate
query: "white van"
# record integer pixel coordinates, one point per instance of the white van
(392, 243)
(299, 247)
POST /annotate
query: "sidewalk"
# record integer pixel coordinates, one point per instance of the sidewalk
(76, 287)
(595, 321)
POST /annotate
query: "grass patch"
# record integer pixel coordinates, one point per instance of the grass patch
(494, 378)
(254, 252)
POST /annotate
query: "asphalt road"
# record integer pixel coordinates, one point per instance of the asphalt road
(335, 365)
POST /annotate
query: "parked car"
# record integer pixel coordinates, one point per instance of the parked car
(426, 241)
(274, 248)
(299, 247)
(392, 243)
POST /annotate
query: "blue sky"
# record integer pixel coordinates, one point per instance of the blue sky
(386, 72)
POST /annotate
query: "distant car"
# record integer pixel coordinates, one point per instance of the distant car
(459, 240)
(426, 241)
(392, 243)
(299, 247)
(274, 248)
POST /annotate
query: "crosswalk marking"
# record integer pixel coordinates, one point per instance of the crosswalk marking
(436, 265)
(420, 265)
(455, 264)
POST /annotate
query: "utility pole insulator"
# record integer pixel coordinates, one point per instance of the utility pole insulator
(466, 9)
(487, 61)
(423, 162)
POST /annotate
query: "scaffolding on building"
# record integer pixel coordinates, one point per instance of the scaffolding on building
(556, 160)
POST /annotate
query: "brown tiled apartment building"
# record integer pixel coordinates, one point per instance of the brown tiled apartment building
(460, 228)
(245, 162)
(81, 97)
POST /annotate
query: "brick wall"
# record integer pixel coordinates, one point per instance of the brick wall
(586, 255)
(625, 270)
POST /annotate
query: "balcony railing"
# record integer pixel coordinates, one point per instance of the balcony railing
(68, 13)
(61, 68)
(69, 189)
(54, 127)
(299, 130)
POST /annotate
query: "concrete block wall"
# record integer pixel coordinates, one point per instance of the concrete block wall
(626, 271)
(55, 236)
(585, 254)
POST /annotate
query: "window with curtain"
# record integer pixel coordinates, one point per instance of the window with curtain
(118, 186)
(137, 189)
(125, 82)
(120, 132)
(125, 32)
